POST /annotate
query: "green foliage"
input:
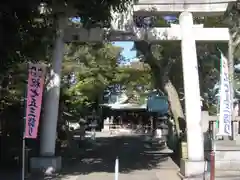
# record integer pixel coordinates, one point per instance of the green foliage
(26, 35)
(97, 68)
(21, 34)
(95, 11)
(134, 79)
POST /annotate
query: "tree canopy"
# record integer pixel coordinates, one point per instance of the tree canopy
(27, 34)
(96, 68)
(23, 28)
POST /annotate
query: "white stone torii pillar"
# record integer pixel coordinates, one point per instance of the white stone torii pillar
(191, 88)
(195, 139)
(47, 160)
(52, 95)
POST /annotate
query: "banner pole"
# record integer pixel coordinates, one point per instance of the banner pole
(231, 73)
(23, 157)
(116, 173)
(212, 160)
(24, 124)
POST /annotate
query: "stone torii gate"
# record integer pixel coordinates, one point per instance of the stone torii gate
(123, 29)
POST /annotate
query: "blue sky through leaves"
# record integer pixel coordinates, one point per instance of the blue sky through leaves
(127, 46)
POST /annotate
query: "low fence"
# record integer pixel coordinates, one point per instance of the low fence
(129, 129)
(136, 130)
(114, 128)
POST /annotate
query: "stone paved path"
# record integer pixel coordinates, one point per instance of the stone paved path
(138, 160)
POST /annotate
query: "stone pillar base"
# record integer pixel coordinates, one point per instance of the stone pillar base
(192, 170)
(48, 165)
(199, 177)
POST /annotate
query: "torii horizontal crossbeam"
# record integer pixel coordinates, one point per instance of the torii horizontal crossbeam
(138, 34)
(183, 1)
(196, 9)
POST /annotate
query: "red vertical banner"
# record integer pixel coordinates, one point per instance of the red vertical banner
(36, 78)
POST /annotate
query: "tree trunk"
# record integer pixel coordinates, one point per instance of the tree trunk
(162, 81)
(175, 106)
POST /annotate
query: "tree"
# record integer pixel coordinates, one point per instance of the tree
(97, 68)
(134, 77)
(165, 61)
(94, 67)
(27, 35)
(162, 58)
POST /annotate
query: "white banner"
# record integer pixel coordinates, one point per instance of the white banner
(226, 104)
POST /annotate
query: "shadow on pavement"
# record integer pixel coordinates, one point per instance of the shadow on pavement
(133, 152)
(99, 157)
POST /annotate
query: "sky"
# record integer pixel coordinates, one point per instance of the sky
(127, 46)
